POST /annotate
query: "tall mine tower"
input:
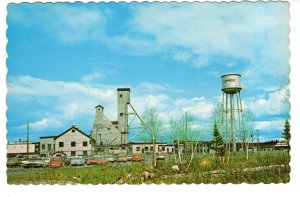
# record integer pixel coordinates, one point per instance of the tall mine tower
(123, 102)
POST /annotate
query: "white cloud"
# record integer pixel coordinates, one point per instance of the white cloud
(275, 103)
(66, 101)
(257, 33)
(269, 126)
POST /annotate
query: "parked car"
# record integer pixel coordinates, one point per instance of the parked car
(129, 157)
(34, 163)
(78, 161)
(97, 160)
(110, 158)
(56, 162)
(45, 161)
(13, 162)
(160, 157)
(121, 158)
(137, 158)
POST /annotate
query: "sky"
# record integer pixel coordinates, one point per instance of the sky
(64, 59)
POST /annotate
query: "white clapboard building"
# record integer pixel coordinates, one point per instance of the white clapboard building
(72, 142)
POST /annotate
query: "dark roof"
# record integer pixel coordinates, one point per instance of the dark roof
(73, 127)
(123, 89)
(230, 74)
(147, 143)
(114, 122)
(99, 106)
(53, 136)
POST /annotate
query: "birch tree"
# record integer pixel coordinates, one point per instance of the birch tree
(153, 128)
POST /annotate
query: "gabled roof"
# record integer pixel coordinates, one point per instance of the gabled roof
(73, 127)
(99, 106)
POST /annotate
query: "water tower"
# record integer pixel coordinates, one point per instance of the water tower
(232, 107)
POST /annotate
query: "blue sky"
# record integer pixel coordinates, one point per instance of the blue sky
(64, 59)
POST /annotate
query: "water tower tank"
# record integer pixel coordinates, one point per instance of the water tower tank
(231, 83)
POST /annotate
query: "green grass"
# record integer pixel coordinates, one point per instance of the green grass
(265, 167)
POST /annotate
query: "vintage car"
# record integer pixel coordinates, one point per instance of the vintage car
(56, 162)
(137, 158)
(129, 157)
(110, 158)
(160, 157)
(122, 158)
(13, 162)
(97, 160)
(34, 163)
(77, 161)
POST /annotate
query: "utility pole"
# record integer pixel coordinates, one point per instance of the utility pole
(252, 142)
(185, 139)
(100, 143)
(257, 132)
(27, 138)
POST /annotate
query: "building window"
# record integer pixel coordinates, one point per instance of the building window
(49, 146)
(151, 148)
(138, 148)
(121, 95)
(73, 144)
(61, 144)
(84, 153)
(121, 114)
(73, 153)
(123, 148)
(84, 143)
(43, 146)
(73, 130)
(163, 148)
(146, 148)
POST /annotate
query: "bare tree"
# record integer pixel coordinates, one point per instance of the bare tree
(153, 127)
(249, 126)
(176, 131)
(183, 131)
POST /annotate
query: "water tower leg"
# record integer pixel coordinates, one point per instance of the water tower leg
(232, 123)
(226, 124)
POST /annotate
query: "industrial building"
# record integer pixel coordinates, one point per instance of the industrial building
(112, 136)
(19, 149)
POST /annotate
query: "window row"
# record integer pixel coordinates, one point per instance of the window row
(61, 144)
(73, 153)
(73, 144)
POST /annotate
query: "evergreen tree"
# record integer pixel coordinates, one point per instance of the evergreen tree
(286, 131)
(218, 143)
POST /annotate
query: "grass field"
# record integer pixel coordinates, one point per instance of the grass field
(264, 167)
